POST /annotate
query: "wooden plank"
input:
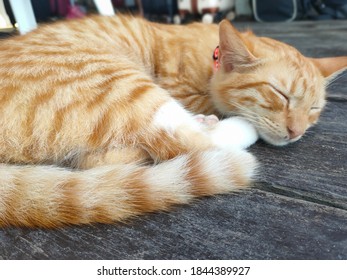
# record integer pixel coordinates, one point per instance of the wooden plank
(337, 90)
(314, 39)
(254, 224)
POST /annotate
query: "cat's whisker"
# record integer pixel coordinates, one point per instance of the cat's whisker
(266, 127)
(263, 124)
(271, 124)
(307, 132)
(244, 110)
(336, 78)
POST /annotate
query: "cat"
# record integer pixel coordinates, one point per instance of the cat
(98, 115)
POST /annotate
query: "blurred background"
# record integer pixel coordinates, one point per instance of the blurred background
(23, 15)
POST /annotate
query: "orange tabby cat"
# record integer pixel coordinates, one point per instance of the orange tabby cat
(98, 97)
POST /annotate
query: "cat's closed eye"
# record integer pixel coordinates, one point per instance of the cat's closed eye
(280, 93)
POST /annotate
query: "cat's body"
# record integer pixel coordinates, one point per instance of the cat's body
(97, 95)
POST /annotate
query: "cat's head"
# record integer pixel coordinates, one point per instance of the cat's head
(280, 91)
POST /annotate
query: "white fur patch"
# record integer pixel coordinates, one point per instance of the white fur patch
(225, 167)
(168, 179)
(172, 115)
(234, 132)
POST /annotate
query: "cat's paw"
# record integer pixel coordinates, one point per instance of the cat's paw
(209, 121)
(234, 132)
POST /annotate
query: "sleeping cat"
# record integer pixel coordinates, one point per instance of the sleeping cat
(111, 100)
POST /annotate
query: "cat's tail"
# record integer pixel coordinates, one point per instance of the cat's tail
(46, 196)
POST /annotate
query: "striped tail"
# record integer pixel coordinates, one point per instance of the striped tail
(46, 196)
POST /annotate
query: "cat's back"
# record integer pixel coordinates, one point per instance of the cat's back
(91, 31)
(67, 47)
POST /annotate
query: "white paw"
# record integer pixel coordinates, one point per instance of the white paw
(234, 132)
(172, 115)
(208, 121)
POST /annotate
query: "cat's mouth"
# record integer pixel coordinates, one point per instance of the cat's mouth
(277, 140)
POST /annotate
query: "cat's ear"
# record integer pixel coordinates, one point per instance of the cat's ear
(233, 52)
(330, 67)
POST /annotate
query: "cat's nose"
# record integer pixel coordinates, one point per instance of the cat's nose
(294, 132)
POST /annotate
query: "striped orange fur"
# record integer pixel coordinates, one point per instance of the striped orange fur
(96, 97)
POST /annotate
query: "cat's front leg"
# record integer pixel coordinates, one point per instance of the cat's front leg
(174, 131)
(208, 120)
(180, 132)
(234, 132)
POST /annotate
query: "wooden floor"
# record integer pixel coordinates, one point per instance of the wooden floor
(296, 210)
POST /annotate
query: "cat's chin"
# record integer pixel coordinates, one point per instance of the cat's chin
(277, 141)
